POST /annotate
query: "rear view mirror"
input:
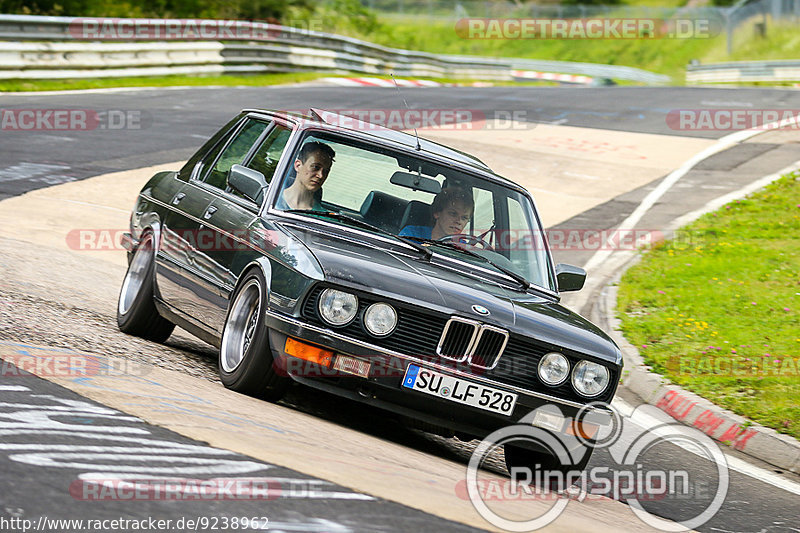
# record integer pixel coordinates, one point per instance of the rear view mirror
(569, 277)
(416, 182)
(248, 182)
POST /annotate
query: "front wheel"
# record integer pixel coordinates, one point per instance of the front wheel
(136, 311)
(246, 364)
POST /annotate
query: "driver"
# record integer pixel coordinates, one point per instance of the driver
(452, 209)
(312, 166)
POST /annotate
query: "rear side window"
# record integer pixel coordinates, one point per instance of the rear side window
(266, 158)
(234, 153)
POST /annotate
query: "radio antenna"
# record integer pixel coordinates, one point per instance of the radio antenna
(407, 108)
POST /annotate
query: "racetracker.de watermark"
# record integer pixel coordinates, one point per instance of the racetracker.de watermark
(96, 488)
(51, 119)
(733, 119)
(432, 118)
(736, 365)
(212, 241)
(28, 363)
(121, 29)
(586, 28)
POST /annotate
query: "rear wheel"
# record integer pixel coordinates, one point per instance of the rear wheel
(246, 364)
(136, 311)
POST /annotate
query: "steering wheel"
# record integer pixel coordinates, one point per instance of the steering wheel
(469, 240)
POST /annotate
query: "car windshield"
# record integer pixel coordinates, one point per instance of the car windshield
(456, 214)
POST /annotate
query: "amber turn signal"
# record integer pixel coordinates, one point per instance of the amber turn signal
(584, 429)
(308, 352)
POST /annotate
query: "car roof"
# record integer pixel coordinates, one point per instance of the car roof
(366, 130)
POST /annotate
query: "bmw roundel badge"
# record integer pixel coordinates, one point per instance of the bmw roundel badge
(481, 310)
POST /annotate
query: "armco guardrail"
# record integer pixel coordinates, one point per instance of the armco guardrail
(744, 72)
(33, 47)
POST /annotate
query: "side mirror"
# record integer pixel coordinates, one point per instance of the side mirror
(569, 277)
(250, 183)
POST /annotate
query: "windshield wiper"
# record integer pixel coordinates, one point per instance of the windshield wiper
(366, 225)
(510, 273)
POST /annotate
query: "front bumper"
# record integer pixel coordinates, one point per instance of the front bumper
(383, 387)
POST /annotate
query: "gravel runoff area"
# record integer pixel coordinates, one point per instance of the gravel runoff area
(50, 297)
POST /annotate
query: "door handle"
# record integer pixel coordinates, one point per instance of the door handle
(178, 197)
(210, 211)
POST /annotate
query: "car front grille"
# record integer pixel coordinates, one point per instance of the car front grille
(479, 344)
(457, 339)
(462, 344)
(489, 347)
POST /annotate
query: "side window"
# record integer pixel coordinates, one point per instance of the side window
(266, 157)
(208, 152)
(234, 153)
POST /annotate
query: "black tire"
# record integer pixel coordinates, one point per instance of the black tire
(245, 360)
(542, 461)
(136, 312)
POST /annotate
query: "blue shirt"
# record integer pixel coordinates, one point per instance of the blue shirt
(420, 232)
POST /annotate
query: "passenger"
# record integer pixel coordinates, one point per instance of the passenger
(451, 210)
(312, 166)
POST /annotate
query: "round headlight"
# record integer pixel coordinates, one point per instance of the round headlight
(380, 319)
(590, 379)
(337, 307)
(553, 368)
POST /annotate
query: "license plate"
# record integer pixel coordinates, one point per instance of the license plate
(459, 390)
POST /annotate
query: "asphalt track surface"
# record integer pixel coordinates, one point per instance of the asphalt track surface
(170, 125)
(39, 479)
(173, 123)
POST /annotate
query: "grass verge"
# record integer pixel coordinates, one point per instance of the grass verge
(717, 309)
(228, 81)
(666, 56)
(159, 81)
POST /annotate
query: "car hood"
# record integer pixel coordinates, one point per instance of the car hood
(400, 274)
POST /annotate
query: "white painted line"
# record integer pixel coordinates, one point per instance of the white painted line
(667, 183)
(645, 421)
(13, 388)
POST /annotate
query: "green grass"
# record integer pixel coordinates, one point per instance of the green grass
(231, 81)
(158, 81)
(717, 310)
(667, 56)
(782, 41)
